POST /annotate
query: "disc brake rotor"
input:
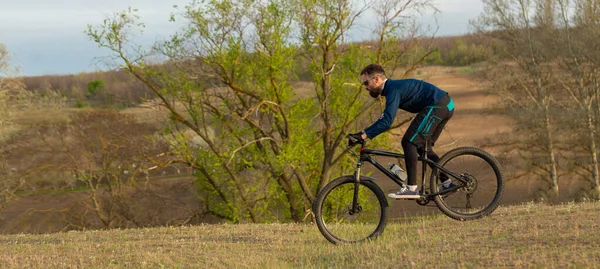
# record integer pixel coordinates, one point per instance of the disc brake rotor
(471, 184)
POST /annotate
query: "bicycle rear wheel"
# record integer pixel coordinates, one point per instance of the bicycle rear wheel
(334, 215)
(484, 186)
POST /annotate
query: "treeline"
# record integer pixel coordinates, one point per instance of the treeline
(459, 50)
(120, 89)
(91, 89)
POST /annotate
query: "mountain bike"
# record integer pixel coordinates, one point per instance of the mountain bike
(353, 208)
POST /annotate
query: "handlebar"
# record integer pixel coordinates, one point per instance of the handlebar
(353, 141)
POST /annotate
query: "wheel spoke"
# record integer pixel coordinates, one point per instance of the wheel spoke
(339, 223)
(483, 184)
(345, 224)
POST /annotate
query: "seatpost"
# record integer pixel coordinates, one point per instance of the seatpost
(424, 163)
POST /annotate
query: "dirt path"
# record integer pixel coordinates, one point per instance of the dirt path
(473, 119)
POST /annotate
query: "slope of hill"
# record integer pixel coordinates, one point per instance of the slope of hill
(530, 235)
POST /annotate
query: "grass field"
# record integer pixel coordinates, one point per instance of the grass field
(525, 236)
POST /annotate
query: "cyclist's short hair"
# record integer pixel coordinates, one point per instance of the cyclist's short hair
(373, 69)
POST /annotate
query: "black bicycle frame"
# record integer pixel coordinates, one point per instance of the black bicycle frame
(365, 156)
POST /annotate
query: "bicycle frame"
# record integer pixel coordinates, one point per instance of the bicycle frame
(365, 156)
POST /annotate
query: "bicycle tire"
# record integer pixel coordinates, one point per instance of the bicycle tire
(462, 161)
(327, 212)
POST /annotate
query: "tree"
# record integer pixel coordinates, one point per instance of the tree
(550, 56)
(104, 152)
(522, 76)
(236, 118)
(577, 57)
(95, 88)
(334, 62)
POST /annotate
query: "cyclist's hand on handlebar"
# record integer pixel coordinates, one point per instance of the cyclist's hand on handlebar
(354, 139)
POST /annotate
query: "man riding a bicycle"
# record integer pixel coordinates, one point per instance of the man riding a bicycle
(434, 108)
(353, 208)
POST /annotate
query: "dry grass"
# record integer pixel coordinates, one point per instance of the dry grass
(530, 235)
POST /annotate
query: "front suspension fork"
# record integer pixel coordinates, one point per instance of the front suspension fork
(356, 184)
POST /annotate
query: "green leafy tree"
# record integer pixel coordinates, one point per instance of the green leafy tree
(334, 61)
(260, 150)
(95, 88)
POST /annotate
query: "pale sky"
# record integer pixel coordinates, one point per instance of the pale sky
(47, 36)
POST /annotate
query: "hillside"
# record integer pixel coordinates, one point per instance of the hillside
(472, 123)
(530, 235)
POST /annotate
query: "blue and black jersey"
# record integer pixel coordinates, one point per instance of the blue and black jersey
(411, 95)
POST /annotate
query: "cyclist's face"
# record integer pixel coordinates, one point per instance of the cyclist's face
(372, 84)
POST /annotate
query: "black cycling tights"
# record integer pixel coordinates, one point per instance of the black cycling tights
(411, 158)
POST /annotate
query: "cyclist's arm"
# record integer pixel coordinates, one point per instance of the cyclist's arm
(392, 101)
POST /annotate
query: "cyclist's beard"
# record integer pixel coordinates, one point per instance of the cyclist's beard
(375, 93)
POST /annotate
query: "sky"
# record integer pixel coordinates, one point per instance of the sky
(46, 37)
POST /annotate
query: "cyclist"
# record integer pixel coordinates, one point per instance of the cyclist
(434, 108)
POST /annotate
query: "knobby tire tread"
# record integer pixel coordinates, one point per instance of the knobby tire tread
(499, 177)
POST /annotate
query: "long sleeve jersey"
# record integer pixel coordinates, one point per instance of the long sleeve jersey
(411, 95)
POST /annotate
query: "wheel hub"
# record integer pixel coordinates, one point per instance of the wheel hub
(471, 183)
(351, 212)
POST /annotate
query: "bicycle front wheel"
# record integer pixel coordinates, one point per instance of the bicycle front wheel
(482, 190)
(340, 221)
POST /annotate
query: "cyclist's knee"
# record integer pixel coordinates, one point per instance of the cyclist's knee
(406, 143)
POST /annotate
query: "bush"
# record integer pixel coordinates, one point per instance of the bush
(465, 54)
(81, 104)
(95, 88)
